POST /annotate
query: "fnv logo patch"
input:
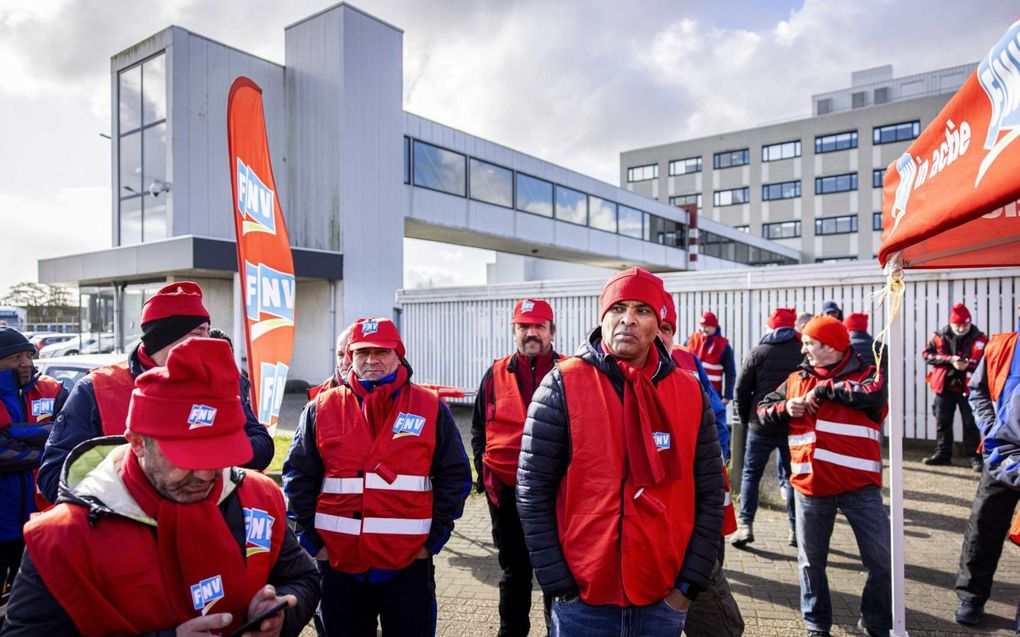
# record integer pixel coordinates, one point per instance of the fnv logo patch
(527, 306)
(661, 440)
(268, 298)
(42, 407)
(408, 425)
(258, 531)
(201, 416)
(206, 593)
(256, 203)
(369, 327)
(662, 312)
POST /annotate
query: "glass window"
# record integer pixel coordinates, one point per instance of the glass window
(153, 156)
(667, 231)
(130, 221)
(877, 176)
(154, 219)
(643, 173)
(895, 132)
(845, 224)
(876, 220)
(781, 190)
(154, 90)
(785, 150)
(835, 183)
(130, 98)
(686, 200)
(835, 259)
(491, 183)
(730, 158)
(603, 213)
(744, 229)
(781, 230)
(631, 222)
(571, 206)
(131, 164)
(731, 197)
(534, 195)
(685, 166)
(407, 160)
(438, 168)
(838, 141)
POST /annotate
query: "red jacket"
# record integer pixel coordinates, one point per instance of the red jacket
(375, 506)
(113, 386)
(623, 546)
(107, 575)
(942, 376)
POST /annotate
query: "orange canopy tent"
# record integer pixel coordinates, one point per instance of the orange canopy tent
(950, 201)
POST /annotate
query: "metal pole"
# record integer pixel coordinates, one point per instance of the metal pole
(896, 380)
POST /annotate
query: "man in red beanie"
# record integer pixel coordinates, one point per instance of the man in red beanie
(764, 368)
(376, 476)
(98, 403)
(163, 534)
(497, 425)
(834, 406)
(619, 484)
(953, 354)
(715, 353)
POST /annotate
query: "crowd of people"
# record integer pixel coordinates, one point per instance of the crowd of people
(134, 504)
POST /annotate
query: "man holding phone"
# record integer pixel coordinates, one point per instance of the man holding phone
(163, 535)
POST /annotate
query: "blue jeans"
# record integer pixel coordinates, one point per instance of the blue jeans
(572, 617)
(757, 449)
(869, 520)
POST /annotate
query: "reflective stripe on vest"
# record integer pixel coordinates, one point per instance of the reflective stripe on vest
(375, 503)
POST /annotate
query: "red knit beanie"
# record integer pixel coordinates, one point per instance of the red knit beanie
(959, 314)
(634, 284)
(192, 408)
(782, 317)
(376, 332)
(667, 302)
(182, 298)
(709, 319)
(857, 322)
(829, 331)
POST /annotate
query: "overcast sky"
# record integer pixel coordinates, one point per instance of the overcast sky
(574, 83)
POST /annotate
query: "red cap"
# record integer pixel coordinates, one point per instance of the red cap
(782, 317)
(376, 332)
(192, 408)
(829, 331)
(857, 322)
(959, 314)
(634, 284)
(534, 311)
(667, 301)
(182, 298)
(709, 319)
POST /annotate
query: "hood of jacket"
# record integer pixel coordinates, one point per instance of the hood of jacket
(781, 335)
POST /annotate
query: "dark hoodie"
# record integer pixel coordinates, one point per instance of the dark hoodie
(766, 367)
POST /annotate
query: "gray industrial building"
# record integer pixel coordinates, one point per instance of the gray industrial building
(813, 184)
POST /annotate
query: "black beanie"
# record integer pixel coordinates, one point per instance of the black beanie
(13, 342)
(159, 333)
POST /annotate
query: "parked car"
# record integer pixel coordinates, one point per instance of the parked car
(70, 347)
(42, 339)
(104, 345)
(68, 369)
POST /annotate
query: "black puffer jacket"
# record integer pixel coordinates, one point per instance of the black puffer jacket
(545, 456)
(765, 368)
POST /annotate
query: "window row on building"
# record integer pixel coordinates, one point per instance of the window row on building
(775, 191)
(843, 224)
(829, 143)
(716, 245)
(435, 168)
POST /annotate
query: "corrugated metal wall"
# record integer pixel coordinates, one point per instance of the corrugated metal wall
(453, 334)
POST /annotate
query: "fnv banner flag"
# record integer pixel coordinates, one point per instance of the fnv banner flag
(951, 199)
(263, 251)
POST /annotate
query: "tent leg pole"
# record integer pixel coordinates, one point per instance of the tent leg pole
(895, 350)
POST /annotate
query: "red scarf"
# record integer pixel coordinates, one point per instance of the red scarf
(834, 370)
(145, 359)
(644, 413)
(194, 543)
(377, 402)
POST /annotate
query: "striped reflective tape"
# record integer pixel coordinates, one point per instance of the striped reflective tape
(343, 486)
(844, 429)
(851, 462)
(727, 499)
(397, 526)
(712, 366)
(802, 439)
(800, 468)
(337, 524)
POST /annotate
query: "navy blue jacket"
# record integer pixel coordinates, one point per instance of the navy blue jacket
(21, 446)
(303, 473)
(79, 421)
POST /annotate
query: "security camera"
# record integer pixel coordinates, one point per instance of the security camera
(158, 186)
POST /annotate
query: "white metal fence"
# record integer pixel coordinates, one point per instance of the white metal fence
(454, 334)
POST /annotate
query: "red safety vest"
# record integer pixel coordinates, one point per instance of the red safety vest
(375, 506)
(39, 406)
(998, 358)
(504, 428)
(685, 361)
(837, 449)
(108, 578)
(624, 546)
(710, 355)
(113, 385)
(329, 383)
(936, 376)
